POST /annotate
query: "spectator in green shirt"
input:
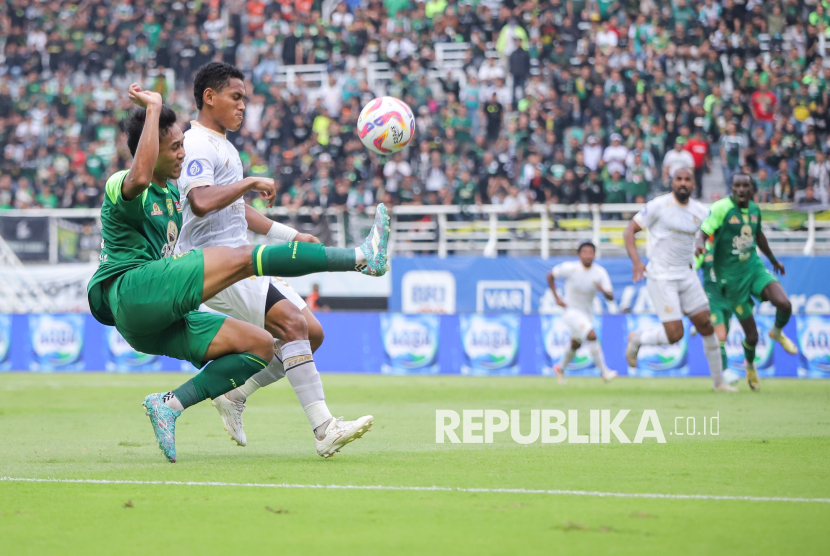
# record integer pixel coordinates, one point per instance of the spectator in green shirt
(615, 188)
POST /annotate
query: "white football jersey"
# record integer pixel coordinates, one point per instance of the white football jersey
(581, 284)
(672, 228)
(210, 159)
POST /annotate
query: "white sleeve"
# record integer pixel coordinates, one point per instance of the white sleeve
(649, 214)
(562, 270)
(199, 160)
(605, 281)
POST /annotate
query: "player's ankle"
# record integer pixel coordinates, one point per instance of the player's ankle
(320, 432)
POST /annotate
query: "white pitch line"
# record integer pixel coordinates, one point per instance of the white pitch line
(430, 489)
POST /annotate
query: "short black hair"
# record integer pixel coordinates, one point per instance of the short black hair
(216, 76)
(133, 125)
(586, 244)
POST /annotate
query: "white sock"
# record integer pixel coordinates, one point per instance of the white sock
(269, 375)
(359, 257)
(566, 359)
(596, 354)
(305, 380)
(171, 401)
(711, 347)
(654, 337)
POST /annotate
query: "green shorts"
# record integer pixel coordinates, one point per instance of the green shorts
(720, 313)
(738, 290)
(155, 308)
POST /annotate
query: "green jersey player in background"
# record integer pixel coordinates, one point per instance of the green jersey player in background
(734, 228)
(151, 295)
(720, 314)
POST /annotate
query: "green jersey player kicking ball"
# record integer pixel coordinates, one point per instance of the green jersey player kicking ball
(151, 295)
(734, 226)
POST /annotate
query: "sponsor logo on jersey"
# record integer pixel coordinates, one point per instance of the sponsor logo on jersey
(170, 207)
(734, 220)
(156, 210)
(178, 206)
(754, 218)
(194, 168)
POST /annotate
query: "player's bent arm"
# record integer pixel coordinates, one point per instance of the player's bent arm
(261, 224)
(552, 286)
(630, 243)
(209, 198)
(146, 154)
(700, 247)
(763, 245)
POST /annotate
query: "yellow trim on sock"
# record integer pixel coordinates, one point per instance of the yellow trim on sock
(259, 260)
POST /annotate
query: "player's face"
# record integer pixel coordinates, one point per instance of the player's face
(171, 153)
(229, 105)
(682, 184)
(741, 192)
(586, 255)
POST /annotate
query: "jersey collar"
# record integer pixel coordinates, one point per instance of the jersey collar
(194, 123)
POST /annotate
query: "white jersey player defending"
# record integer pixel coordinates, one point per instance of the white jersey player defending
(214, 213)
(583, 279)
(673, 285)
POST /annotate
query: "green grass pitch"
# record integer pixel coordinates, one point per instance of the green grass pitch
(91, 426)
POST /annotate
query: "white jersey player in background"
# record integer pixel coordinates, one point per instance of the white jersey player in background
(672, 221)
(214, 213)
(583, 279)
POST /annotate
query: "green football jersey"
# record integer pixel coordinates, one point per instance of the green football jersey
(134, 232)
(734, 231)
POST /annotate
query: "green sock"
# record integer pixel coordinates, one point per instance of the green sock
(749, 352)
(220, 376)
(298, 259)
(782, 318)
(723, 357)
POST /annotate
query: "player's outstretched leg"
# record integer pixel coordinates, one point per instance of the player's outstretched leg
(711, 349)
(774, 293)
(599, 359)
(226, 371)
(299, 259)
(750, 343)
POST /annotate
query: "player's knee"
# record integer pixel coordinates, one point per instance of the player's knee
(674, 335)
(575, 344)
(592, 336)
(315, 335)
(294, 326)
(785, 306)
(240, 257)
(261, 344)
(751, 337)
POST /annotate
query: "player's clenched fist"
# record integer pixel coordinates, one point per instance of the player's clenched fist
(267, 187)
(144, 99)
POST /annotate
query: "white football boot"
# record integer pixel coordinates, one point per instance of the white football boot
(231, 413)
(340, 432)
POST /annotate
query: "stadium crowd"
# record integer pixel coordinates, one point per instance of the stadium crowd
(555, 100)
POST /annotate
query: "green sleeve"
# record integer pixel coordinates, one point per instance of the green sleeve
(133, 208)
(699, 261)
(717, 214)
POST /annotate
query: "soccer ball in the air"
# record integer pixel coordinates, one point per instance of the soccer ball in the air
(386, 125)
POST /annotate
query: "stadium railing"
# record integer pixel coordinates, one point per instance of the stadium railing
(443, 230)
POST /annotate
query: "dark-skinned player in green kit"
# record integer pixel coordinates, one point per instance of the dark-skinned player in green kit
(734, 227)
(151, 296)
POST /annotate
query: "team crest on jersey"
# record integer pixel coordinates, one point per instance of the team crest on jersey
(709, 258)
(178, 206)
(734, 220)
(170, 207)
(172, 236)
(156, 210)
(194, 168)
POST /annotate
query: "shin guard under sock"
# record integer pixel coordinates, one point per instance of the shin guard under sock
(219, 377)
(299, 259)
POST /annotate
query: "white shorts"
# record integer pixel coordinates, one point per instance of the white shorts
(579, 323)
(674, 298)
(245, 300)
